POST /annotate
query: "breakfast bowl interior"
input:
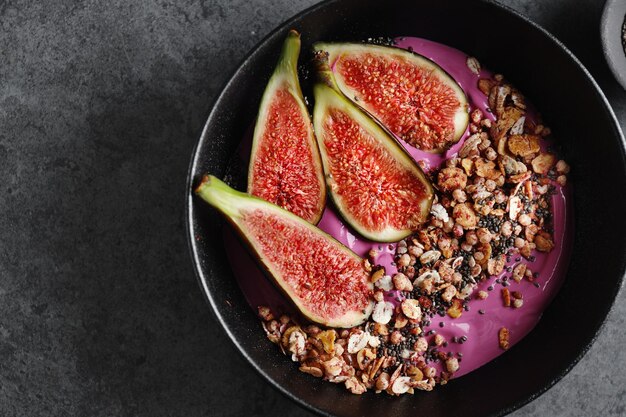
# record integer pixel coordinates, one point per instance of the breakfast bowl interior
(589, 139)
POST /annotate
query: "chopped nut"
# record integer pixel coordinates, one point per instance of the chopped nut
(451, 178)
(415, 373)
(485, 85)
(382, 312)
(430, 256)
(523, 145)
(357, 341)
(380, 329)
(518, 302)
(396, 337)
(452, 364)
(400, 321)
(401, 282)
(544, 242)
(265, 313)
(332, 367)
(543, 163)
(327, 338)
(312, 370)
(486, 169)
(482, 295)
(470, 144)
(420, 345)
(429, 372)
(561, 180)
(506, 297)
(404, 260)
(456, 309)
(449, 293)
(496, 265)
(439, 339)
(562, 167)
(503, 338)
(464, 215)
(401, 385)
(378, 274)
(385, 283)
(354, 386)
(473, 65)
(382, 382)
(365, 357)
(411, 309)
(518, 272)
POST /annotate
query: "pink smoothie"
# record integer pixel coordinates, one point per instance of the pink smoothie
(480, 330)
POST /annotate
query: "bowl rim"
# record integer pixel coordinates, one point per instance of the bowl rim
(194, 162)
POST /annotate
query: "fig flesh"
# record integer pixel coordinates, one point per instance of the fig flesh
(285, 166)
(407, 93)
(325, 280)
(375, 185)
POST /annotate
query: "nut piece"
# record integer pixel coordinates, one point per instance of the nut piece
(543, 163)
(332, 367)
(430, 256)
(452, 364)
(506, 297)
(378, 274)
(401, 282)
(518, 303)
(327, 338)
(365, 357)
(401, 385)
(451, 178)
(524, 145)
(354, 386)
(312, 370)
(518, 272)
(544, 242)
(464, 215)
(382, 312)
(382, 382)
(357, 341)
(265, 313)
(411, 309)
(503, 338)
(456, 309)
(420, 345)
(473, 65)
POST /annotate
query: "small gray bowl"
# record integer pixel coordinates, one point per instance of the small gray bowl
(611, 33)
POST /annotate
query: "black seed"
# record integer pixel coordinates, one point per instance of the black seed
(441, 324)
(481, 311)
(536, 284)
(490, 288)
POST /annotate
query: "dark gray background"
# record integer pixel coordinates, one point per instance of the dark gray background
(101, 103)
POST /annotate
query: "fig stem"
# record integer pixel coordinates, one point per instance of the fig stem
(219, 195)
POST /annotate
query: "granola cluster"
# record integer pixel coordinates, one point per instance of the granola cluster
(492, 209)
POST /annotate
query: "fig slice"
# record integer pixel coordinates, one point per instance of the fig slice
(325, 280)
(375, 185)
(285, 166)
(410, 95)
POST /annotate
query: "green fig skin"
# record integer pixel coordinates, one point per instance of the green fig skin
(327, 98)
(327, 54)
(287, 173)
(234, 205)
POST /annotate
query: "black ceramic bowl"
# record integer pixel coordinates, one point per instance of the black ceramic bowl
(581, 119)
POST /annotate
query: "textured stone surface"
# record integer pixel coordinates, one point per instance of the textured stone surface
(100, 106)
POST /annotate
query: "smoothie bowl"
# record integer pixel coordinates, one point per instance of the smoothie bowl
(455, 248)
